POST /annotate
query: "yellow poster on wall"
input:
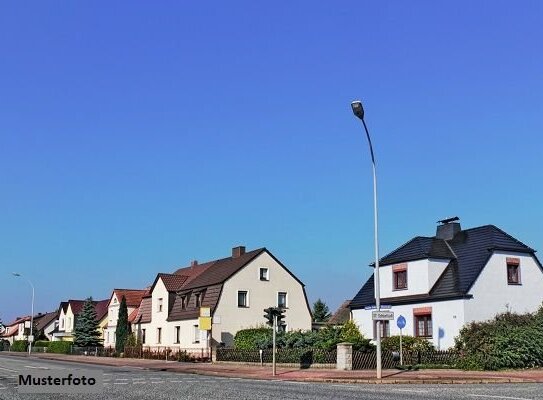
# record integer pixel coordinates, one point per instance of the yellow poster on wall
(204, 323)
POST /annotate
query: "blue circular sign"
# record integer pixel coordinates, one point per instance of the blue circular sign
(400, 322)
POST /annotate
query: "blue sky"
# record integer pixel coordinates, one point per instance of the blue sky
(135, 137)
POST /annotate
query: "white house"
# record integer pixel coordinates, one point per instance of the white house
(440, 283)
(236, 289)
(67, 314)
(133, 299)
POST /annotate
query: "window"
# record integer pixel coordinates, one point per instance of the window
(242, 298)
(177, 334)
(62, 323)
(143, 336)
(115, 301)
(423, 325)
(159, 305)
(264, 274)
(399, 278)
(69, 323)
(384, 329)
(183, 302)
(196, 334)
(158, 335)
(513, 271)
(282, 299)
(107, 336)
(197, 300)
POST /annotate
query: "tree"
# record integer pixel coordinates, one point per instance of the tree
(86, 331)
(123, 327)
(321, 313)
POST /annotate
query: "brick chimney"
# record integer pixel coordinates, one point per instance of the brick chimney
(238, 251)
(193, 263)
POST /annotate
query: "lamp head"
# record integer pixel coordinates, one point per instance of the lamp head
(16, 274)
(358, 110)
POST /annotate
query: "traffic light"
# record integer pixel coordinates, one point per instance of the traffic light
(269, 315)
(280, 312)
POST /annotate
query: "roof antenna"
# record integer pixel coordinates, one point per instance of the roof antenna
(448, 220)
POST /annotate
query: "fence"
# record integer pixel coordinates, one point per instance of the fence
(168, 353)
(303, 358)
(368, 360)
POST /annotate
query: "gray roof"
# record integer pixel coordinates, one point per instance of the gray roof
(471, 249)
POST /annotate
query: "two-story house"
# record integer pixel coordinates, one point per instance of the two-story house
(133, 299)
(440, 283)
(67, 315)
(236, 289)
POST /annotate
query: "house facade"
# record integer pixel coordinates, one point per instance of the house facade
(133, 299)
(67, 314)
(235, 289)
(439, 284)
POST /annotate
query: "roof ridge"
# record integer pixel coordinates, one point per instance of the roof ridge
(510, 236)
(398, 248)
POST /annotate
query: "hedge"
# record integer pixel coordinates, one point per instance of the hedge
(409, 343)
(60, 347)
(41, 343)
(19, 345)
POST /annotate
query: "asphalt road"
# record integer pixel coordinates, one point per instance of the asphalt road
(133, 383)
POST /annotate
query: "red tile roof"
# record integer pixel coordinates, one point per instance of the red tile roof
(100, 307)
(133, 296)
(133, 315)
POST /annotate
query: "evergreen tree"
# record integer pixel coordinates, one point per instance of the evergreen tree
(321, 313)
(123, 327)
(86, 331)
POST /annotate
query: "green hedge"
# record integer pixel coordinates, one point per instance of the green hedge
(60, 347)
(507, 341)
(409, 343)
(19, 345)
(326, 338)
(41, 343)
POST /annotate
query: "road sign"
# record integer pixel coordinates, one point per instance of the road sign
(400, 322)
(30, 338)
(382, 315)
(205, 312)
(374, 307)
(204, 323)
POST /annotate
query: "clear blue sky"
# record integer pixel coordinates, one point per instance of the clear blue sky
(137, 136)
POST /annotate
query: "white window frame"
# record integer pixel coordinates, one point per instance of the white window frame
(160, 304)
(159, 335)
(196, 334)
(177, 334)
(286, 298)
(246, 298)
(267, 275)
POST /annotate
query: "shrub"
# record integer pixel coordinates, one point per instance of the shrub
(409, 343)
(253, 338)
(350, 333)
(41, 343)
(508, 341)
(60, 347)
(19, 345)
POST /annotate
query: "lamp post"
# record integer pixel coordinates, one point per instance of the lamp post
(32, 312)
(358, 111)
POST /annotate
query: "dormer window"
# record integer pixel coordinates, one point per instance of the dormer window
(264, 274)
(197, 299)
(183, 302)
(399, 277)
(513, 271)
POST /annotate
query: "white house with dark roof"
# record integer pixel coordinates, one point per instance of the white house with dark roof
(440, 283)
(236, 289)
(133, 299)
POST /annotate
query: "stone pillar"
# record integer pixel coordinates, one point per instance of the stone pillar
(344, 356)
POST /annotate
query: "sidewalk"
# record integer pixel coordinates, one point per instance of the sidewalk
(307, 375)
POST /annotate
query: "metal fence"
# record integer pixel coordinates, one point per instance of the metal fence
(368, 360)
(304, 358)
(169, 353)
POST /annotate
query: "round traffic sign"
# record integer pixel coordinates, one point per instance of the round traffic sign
(400, 322)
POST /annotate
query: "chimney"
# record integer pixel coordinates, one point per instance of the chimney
(448, 228)
(193, 263)
(238, 251)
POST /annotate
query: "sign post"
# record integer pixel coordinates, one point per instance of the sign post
(401, 324)
(273, 350)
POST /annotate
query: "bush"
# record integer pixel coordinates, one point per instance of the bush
(60, 347)
(19, 345)
(409, 343)
(41, 343)
(253, 338)
(508, 341)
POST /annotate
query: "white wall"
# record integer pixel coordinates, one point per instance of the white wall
(447, 320)
(228, 318)
(492, 294)
(421, 277)
(158, 319)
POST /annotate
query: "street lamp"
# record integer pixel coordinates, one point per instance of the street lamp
(32, 312)
(358, 111)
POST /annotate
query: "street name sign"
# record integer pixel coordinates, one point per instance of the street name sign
(382, 315)
(374, 307)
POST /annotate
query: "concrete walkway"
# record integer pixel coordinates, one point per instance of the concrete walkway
(308, 375)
